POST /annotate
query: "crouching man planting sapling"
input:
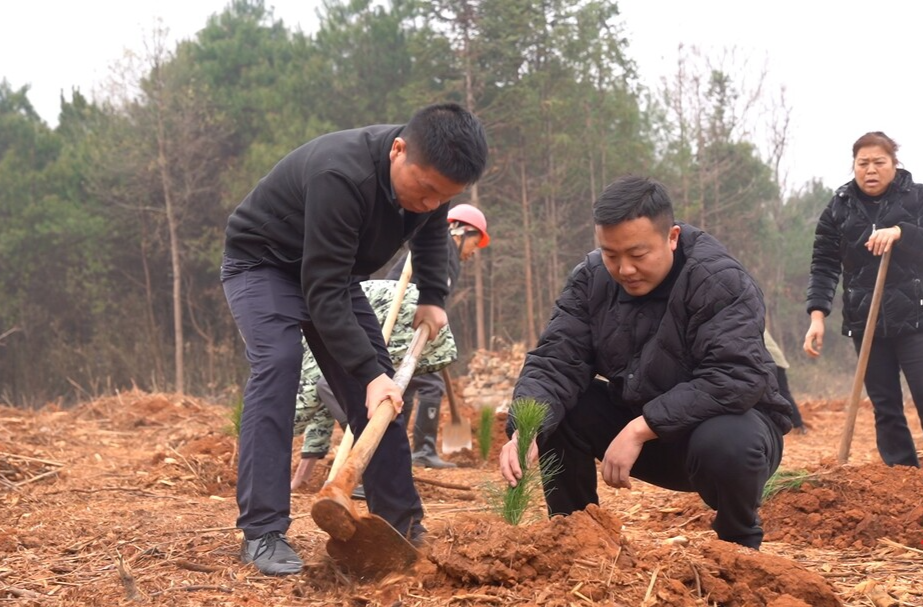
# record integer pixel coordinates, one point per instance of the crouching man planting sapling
(653, 363)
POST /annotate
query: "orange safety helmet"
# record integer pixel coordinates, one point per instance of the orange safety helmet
(471, 215)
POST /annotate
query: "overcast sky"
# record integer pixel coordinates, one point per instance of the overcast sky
(848, 67)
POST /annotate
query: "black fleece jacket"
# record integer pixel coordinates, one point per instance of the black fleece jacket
(839, 246)
(690, 350)
(326, 213)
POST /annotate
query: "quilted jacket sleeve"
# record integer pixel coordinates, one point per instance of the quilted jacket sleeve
(561, 365)
(826, 264)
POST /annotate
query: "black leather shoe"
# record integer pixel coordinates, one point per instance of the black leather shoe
(271, 554)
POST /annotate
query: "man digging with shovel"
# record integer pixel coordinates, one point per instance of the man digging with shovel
(317, 407)
(328, 215)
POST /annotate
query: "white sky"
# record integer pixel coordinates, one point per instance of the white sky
(848, 66)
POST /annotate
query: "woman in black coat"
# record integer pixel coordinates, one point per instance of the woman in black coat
(881, 209)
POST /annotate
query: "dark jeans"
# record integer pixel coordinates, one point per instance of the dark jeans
(269, 308)
(726, 460)
(887, 358)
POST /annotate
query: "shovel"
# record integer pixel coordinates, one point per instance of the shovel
(852, 407)
(457, 435)
(366, 544)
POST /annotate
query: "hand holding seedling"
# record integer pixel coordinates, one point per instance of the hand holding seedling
(623, 452)
(510, 468)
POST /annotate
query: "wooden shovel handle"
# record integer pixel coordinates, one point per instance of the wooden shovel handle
(347, 441)
(402, 283)
(450, 393)
(371, 436)
(852, 407)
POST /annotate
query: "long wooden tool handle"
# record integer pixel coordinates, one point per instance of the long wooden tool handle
(852, 407)
(347, 442)
(398, 298)
(365, 447)
(450, 393)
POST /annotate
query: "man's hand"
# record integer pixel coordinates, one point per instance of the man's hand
(623, 452)
(434, 316)
(509, 460)
(379, 390)
(814, 339)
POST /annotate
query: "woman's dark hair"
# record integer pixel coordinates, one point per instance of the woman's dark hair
(449, 139)
(632, 197)
(876, 138)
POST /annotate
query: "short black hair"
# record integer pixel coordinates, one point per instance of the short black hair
(448, 138)
(631, 197)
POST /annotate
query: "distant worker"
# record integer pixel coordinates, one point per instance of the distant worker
(317, 410)
(880, 209)
(467, 233)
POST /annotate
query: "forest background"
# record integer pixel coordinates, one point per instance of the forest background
(112, 222)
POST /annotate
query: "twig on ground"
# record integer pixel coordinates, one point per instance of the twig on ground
(193, 588)
(444, 485)
(184, 564)
(132, 593)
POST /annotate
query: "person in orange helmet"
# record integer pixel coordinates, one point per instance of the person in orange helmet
(467, 234)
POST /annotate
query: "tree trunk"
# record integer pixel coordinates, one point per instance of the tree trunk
(527, 250)
(173, 228)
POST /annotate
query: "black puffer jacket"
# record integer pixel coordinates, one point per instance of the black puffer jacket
(839, 246)
(678, 357)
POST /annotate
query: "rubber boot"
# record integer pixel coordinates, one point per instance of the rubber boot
(425, 428)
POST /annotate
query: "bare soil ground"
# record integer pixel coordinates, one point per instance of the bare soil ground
(129, 500)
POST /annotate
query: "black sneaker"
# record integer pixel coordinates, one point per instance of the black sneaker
(271, 554)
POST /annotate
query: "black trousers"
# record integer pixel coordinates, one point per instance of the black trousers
(269, 308)
(887, 358)
(726, 460)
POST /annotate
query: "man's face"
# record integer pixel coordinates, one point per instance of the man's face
(419, 189)
(637, 253)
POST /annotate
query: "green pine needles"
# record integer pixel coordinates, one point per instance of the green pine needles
(512, 503)
(486, 432)
(786, 480)
(234, 415)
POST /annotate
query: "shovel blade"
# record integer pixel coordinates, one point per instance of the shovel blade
(374, 550)
(456, 436)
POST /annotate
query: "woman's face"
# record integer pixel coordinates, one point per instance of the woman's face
(874, 169)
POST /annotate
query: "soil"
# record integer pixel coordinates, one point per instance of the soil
(129, 499)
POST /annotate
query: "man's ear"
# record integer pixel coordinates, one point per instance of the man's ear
(399, 146)
(673, 237)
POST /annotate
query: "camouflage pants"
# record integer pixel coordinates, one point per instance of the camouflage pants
(312, 418)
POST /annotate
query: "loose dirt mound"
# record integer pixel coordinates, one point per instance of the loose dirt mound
(131, 499)
(850, 507)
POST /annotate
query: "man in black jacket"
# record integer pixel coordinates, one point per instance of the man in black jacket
(326, 216)
(653, 362)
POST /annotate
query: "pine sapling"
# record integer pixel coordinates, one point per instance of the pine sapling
(486, 432)
(234, 416)
(512, 503)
